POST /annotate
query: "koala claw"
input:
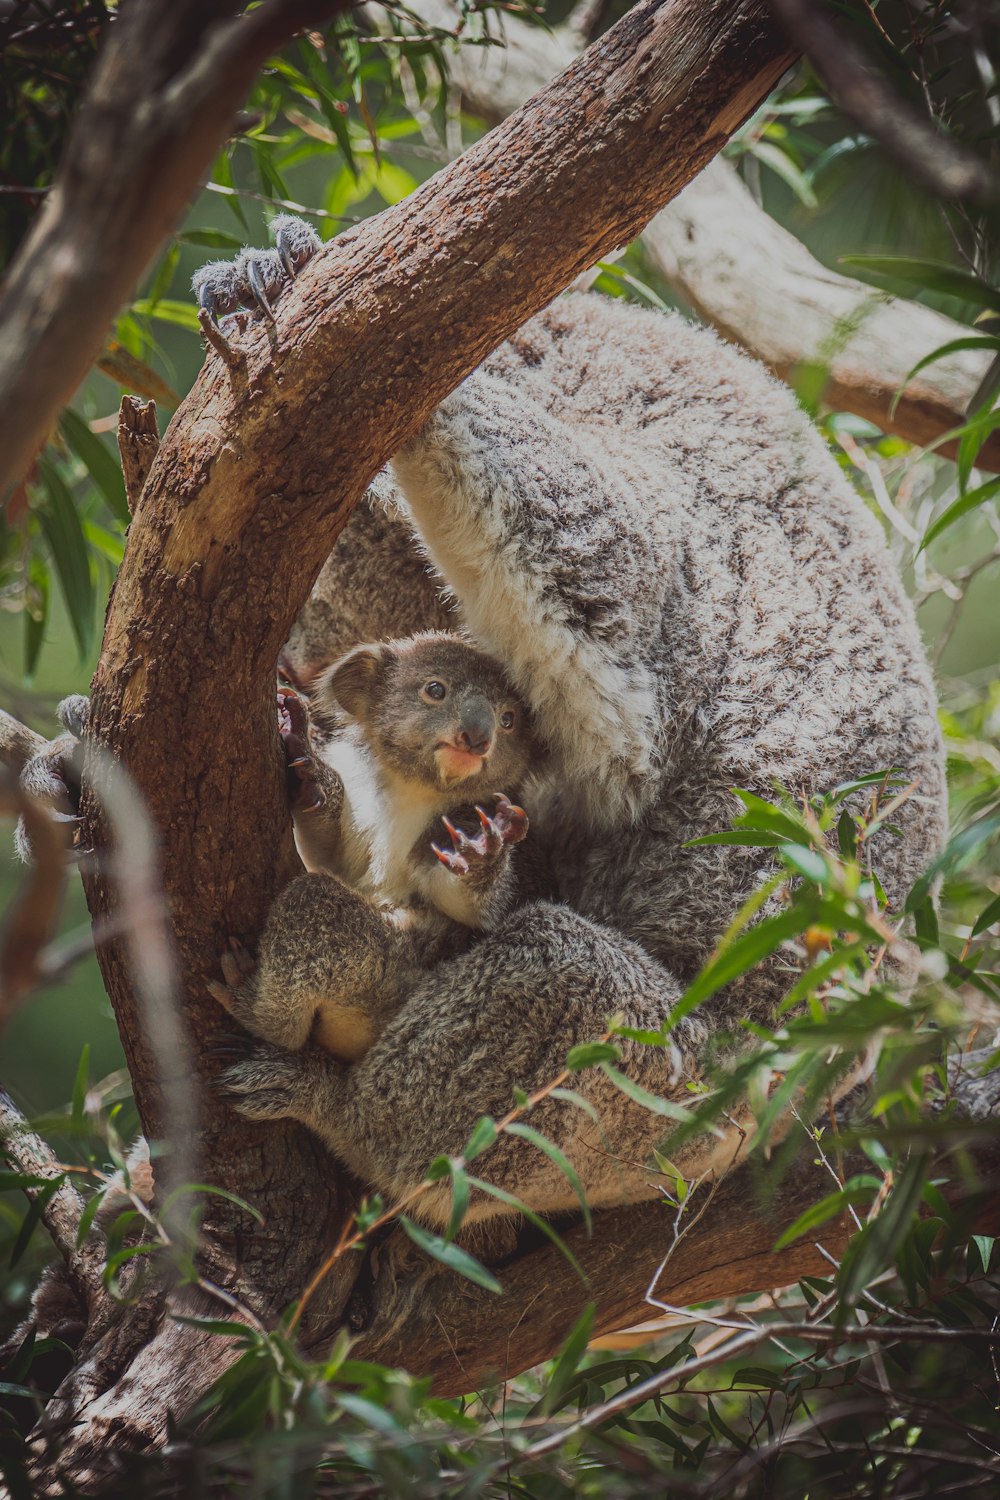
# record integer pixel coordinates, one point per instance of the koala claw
(293, 726)
(255, 277)
(508, 825)
(296, 242)
(264, 1084)
(237, 963)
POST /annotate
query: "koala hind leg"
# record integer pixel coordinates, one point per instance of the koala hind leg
(329, 968)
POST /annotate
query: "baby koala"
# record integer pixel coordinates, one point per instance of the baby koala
(423, 730)
(389, 818)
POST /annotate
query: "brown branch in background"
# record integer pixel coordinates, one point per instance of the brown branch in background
(167, 87)
(755, 283)
(944, 166)
(138, 440)
(27, 1153)
(18, 743)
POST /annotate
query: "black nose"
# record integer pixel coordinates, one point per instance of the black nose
(475, 738)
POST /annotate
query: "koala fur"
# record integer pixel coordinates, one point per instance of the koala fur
(425, 729)
(637, 520)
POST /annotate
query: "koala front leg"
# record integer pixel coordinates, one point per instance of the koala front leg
(315, 791)
(330, 966)
(474, 881)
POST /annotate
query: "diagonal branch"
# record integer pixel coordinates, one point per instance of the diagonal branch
(162, 100)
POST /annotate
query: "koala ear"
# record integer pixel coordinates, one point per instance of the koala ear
(351, 682)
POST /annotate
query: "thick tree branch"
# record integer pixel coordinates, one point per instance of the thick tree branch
(756, 283)
(162, 100)
(433, 1323)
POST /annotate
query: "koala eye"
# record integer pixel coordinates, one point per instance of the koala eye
(434, 690)
(507, 720)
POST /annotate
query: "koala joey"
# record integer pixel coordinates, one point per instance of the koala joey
(388, 818)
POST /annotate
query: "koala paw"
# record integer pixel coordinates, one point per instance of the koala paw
(256, 277)
(475, 855)
(265, 1083)
(304, 792)
(237, 967)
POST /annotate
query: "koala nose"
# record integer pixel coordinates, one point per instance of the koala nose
(475, 737)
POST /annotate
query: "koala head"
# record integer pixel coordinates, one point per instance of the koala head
(434, 710)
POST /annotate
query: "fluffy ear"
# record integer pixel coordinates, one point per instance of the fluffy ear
(351, 681)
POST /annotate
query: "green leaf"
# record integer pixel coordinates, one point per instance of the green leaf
(80, 1085)
(808, 863)
(567, 1364)
(32, 1218)
(484, 1133)
(36, 618)
(238, 1331)
(652, 1102)
(184, 314)
(188, 1188)
(929, 275)
(954, 346)
(782, 164)
(459, 1200)
(763, 939)
(971, 500)
(211, 239)
(68, 546)
(104, 470)
(558, 1158)
(517, 1204)
(449, 1255)
(589, 1054)
(818, 1213)
(987, 917)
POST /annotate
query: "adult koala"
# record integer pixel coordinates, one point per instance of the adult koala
(640, 524)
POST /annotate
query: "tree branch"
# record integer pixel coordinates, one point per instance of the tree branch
(163, 97)
(944, 166)
(431, 1322)
(755, 283)
(27, 1153)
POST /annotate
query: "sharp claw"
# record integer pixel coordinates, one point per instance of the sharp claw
(61, 817)
(302, 760)
(486, 821)
(453, 832)
(286, 258)
(259, 291)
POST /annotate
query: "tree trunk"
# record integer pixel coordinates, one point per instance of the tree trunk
(252, 483)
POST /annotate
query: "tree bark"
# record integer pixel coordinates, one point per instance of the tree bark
(162, 100)
(755, 283)
(253, 480)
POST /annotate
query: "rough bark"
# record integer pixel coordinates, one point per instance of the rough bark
(163, 98)
(755, 283)
(138, 440)
(253, 480)
(728, 1252)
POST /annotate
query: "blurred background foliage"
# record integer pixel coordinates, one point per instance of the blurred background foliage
(338, 126)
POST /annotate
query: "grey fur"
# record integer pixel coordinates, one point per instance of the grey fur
(399, 850)
(638, 521)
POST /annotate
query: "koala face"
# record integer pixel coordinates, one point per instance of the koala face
(436, 711)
